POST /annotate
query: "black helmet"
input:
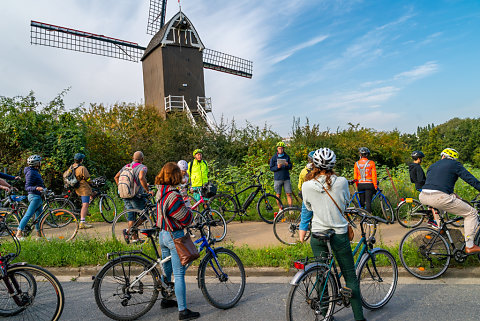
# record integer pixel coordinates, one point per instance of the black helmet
(78, 156)
(416, 154)
(364, 151)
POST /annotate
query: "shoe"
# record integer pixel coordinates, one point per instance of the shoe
(165, 304)
(433, 223)
(84, 226)
(38, 236)
(188, 315)
(473, 249)
(125, 236)
(137, 241)
(19, 235)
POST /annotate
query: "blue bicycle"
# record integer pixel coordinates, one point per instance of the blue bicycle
(385, 205)
(128, 285)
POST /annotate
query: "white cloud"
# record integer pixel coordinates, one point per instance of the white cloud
(358, 99)
(291, 51)
(418, 72)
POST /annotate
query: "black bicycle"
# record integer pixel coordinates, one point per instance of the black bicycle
(27, 292)
(229, 205)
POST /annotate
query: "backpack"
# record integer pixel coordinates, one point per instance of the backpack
(128, 184)
(70, 179)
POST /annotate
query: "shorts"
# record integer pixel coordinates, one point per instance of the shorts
(287, 186)
(85, 199)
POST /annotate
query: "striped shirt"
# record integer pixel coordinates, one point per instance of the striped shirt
(172, 204)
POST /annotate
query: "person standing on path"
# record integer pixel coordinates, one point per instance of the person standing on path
(281, 165)
(198, 171)
(84, 190)
(365, 174)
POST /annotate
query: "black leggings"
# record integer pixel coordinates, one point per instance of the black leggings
(366, 198)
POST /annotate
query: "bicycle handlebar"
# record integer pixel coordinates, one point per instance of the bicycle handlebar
(366, 216)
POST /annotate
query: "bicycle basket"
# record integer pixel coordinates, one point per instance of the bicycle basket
(209, 190)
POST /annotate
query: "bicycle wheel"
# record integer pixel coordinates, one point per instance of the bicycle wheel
(312, 298)
(65, 227)
(199, 218)
(268, 207)
(217, 224)
(40, 291)
(286, 226)
(59, 202)
(387, 209)
(222, 278)
(107, 208)
(424, 253)
(458, 223)
(120, 223)
(225, 204)
(12, 220)
(377, 275)
(115, 294)
(407, 214)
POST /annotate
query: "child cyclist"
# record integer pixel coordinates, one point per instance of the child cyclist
(183, 188)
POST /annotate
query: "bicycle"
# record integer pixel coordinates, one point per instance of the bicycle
(128, 285)
(317, 289)
(286, 225)
(426, 254)
(229, 205)
(385, 205)
(13, 207)
(215, 220)
(28, 291)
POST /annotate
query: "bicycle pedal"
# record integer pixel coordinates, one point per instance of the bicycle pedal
(346, 292)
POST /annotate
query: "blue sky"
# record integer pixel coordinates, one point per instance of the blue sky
(383, 64)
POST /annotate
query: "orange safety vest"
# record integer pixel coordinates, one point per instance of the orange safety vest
(365, 171)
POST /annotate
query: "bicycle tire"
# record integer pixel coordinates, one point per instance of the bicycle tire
(66, 229)
(303, 302)
(377, 283)
(225, 204)
(286, 226)
(415, 255)
(387, 209)
(8, 307)
(216, 223)
(199, 218)
(120, 223)
(407, 215)
(231, 282)
(59, 202)
(12, 220)
(113, 280)
(45, 294)
(267, 206)
(108, 208)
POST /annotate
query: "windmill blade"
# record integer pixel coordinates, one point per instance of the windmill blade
(220, 61)
(156, 16)
(60, 37)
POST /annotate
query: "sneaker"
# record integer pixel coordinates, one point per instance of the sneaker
(126, 237)
(187, 315)
(165, 303)
(137, 241)
(84, 226)
(432, 223)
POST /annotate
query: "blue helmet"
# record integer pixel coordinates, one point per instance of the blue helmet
(310, 156)
(78, 156)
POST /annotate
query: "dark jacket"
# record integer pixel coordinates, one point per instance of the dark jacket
(417, 175)
(33, 179)
(6, 176)
(282, 173)
(442, 175)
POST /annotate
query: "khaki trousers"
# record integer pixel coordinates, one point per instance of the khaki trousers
(453, 205)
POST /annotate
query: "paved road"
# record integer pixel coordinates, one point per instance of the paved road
(434, 300)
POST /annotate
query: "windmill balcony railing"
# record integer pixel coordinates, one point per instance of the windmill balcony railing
(205, 103)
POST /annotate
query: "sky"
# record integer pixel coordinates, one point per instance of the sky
(381, 64)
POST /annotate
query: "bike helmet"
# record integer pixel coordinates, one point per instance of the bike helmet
(78, 156)
(364, 151)
(417, 154)
(281, 144)
(310, 156)
(324, 158)
(34, 160)
(449, 153)
(196, 151)
(183, 165)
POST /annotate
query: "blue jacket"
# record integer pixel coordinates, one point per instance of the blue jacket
(6, 176)
(282, 173)
(33, 179)
(442, 176)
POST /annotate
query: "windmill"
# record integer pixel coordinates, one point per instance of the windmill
(173, 62)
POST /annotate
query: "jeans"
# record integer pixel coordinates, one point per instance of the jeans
(343, 253)
(134, 203)
(168, 248)
(35, 207)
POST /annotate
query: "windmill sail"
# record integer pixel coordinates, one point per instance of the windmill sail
(220, 61)
(156, 16)
(60, 37)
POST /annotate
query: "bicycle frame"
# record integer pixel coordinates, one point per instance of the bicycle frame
(258, 187)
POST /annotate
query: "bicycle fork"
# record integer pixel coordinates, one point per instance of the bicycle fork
(13, 288)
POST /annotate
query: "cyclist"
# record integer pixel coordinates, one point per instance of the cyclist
(280, 165)
(3, 181)
(173, 216)
(183, 187)
(140, 185)
(365, 175)
(198, 172)
(438, 193)
(84, 190)
(34, 186)
(326, 213)
(307, 169)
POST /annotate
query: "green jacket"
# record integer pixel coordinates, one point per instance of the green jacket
(198, 173)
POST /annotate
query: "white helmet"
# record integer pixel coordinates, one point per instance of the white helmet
(324, 158)
(34, 160)
(183, 165)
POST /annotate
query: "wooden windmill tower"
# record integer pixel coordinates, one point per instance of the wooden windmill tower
(173, 61)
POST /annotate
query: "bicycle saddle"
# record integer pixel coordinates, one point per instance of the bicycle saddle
(149, 231)
(231, 183)
(324, 235)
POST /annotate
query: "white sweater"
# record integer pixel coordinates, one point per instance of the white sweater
(325, 213)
